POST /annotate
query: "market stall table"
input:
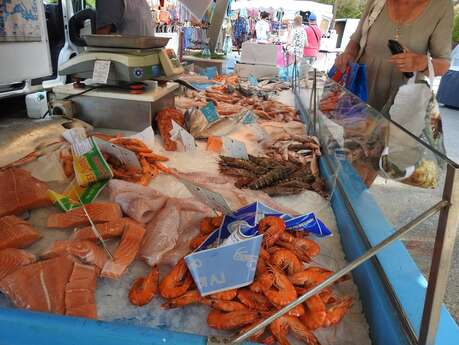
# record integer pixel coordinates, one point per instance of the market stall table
(206, 62)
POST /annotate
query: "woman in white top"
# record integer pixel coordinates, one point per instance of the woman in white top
(262, 27)
(298, 39)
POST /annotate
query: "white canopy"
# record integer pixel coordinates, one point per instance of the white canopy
(290, 7)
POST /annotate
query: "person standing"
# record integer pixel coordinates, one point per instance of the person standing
(262, 28)
(239, 31)
(124, 17)
(314, 35)
(298, 40)
(421, 26)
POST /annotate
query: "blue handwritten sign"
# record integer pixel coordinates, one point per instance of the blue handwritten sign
(210, 112)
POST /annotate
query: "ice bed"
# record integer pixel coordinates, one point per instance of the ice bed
(385, 289)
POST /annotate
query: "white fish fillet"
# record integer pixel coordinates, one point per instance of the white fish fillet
(168, 219)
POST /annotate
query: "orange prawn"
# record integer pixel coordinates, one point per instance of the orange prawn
(280, 329)
(304, 247)
(271, 228)
(262, 283)
(310, 276)
(337, 311)
(282, 292)
(145, 288)
(269, 340)
(197, 241)
(253, 300)
(226, 321)
(190, 297)
(317, 315)
(226, 306)
(225, 295)
(287, 261)
(177, 282)
(209, 224)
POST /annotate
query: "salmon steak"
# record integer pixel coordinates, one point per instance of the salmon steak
(16, 233)
(11, 259)
(20, 192)
(88, 252)
(39, 286)
(99, 212)
(107, 230)
(125, 253)
(80, 291)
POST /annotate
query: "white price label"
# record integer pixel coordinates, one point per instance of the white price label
(212, 199)
(82, 147)
(147, 136)
(101, 71)
(234, 148)
(125, 156)
(74, 135)
(179, 133)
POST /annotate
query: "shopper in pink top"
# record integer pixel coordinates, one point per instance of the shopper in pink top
(314, 35)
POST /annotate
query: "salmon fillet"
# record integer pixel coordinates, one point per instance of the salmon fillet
(88, 252)
(99, 212)
(80, 299)
(16, 233)
(107, 230)
(125, 253)
(11, 259)
(20, 191)
(39, 286)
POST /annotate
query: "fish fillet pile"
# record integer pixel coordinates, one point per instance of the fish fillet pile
(20, 192)
(169, 222)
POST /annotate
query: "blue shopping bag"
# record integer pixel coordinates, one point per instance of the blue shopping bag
(354, 79)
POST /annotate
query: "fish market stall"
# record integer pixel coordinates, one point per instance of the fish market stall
(240, 202)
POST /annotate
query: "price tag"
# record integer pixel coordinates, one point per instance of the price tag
(234, 148)
(125, 156)
(179, 133)
(210, 112)
(74, 135)
(248, 117)
(212, 199)
(101, 71)
(147, 136)
(253, 80)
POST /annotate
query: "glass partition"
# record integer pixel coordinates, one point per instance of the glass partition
(379, 163)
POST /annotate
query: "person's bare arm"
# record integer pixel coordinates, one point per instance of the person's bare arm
(349, 55)
(412, 62)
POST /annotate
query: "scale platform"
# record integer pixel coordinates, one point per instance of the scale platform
(118, 109)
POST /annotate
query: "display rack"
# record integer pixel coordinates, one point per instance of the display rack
(399, 308)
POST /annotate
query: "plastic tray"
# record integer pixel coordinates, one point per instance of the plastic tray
(119, 41)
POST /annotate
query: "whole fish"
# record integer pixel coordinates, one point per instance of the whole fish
(25, 139)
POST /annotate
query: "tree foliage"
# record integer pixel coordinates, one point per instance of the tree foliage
(347, 8)
(456, 28)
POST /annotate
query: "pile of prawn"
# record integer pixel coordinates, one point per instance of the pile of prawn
(230, 99)
(151, 163)
(284, 272)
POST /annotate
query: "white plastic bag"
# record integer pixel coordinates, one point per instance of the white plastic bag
(416, 110)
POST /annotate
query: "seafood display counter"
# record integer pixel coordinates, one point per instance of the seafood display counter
(387, 289)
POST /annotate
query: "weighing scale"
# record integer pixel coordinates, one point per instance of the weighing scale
(118, 103)
(133, 59)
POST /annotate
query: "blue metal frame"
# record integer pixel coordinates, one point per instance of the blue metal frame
(407, 281)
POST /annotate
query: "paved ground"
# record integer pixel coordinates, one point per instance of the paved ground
(403, 203)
